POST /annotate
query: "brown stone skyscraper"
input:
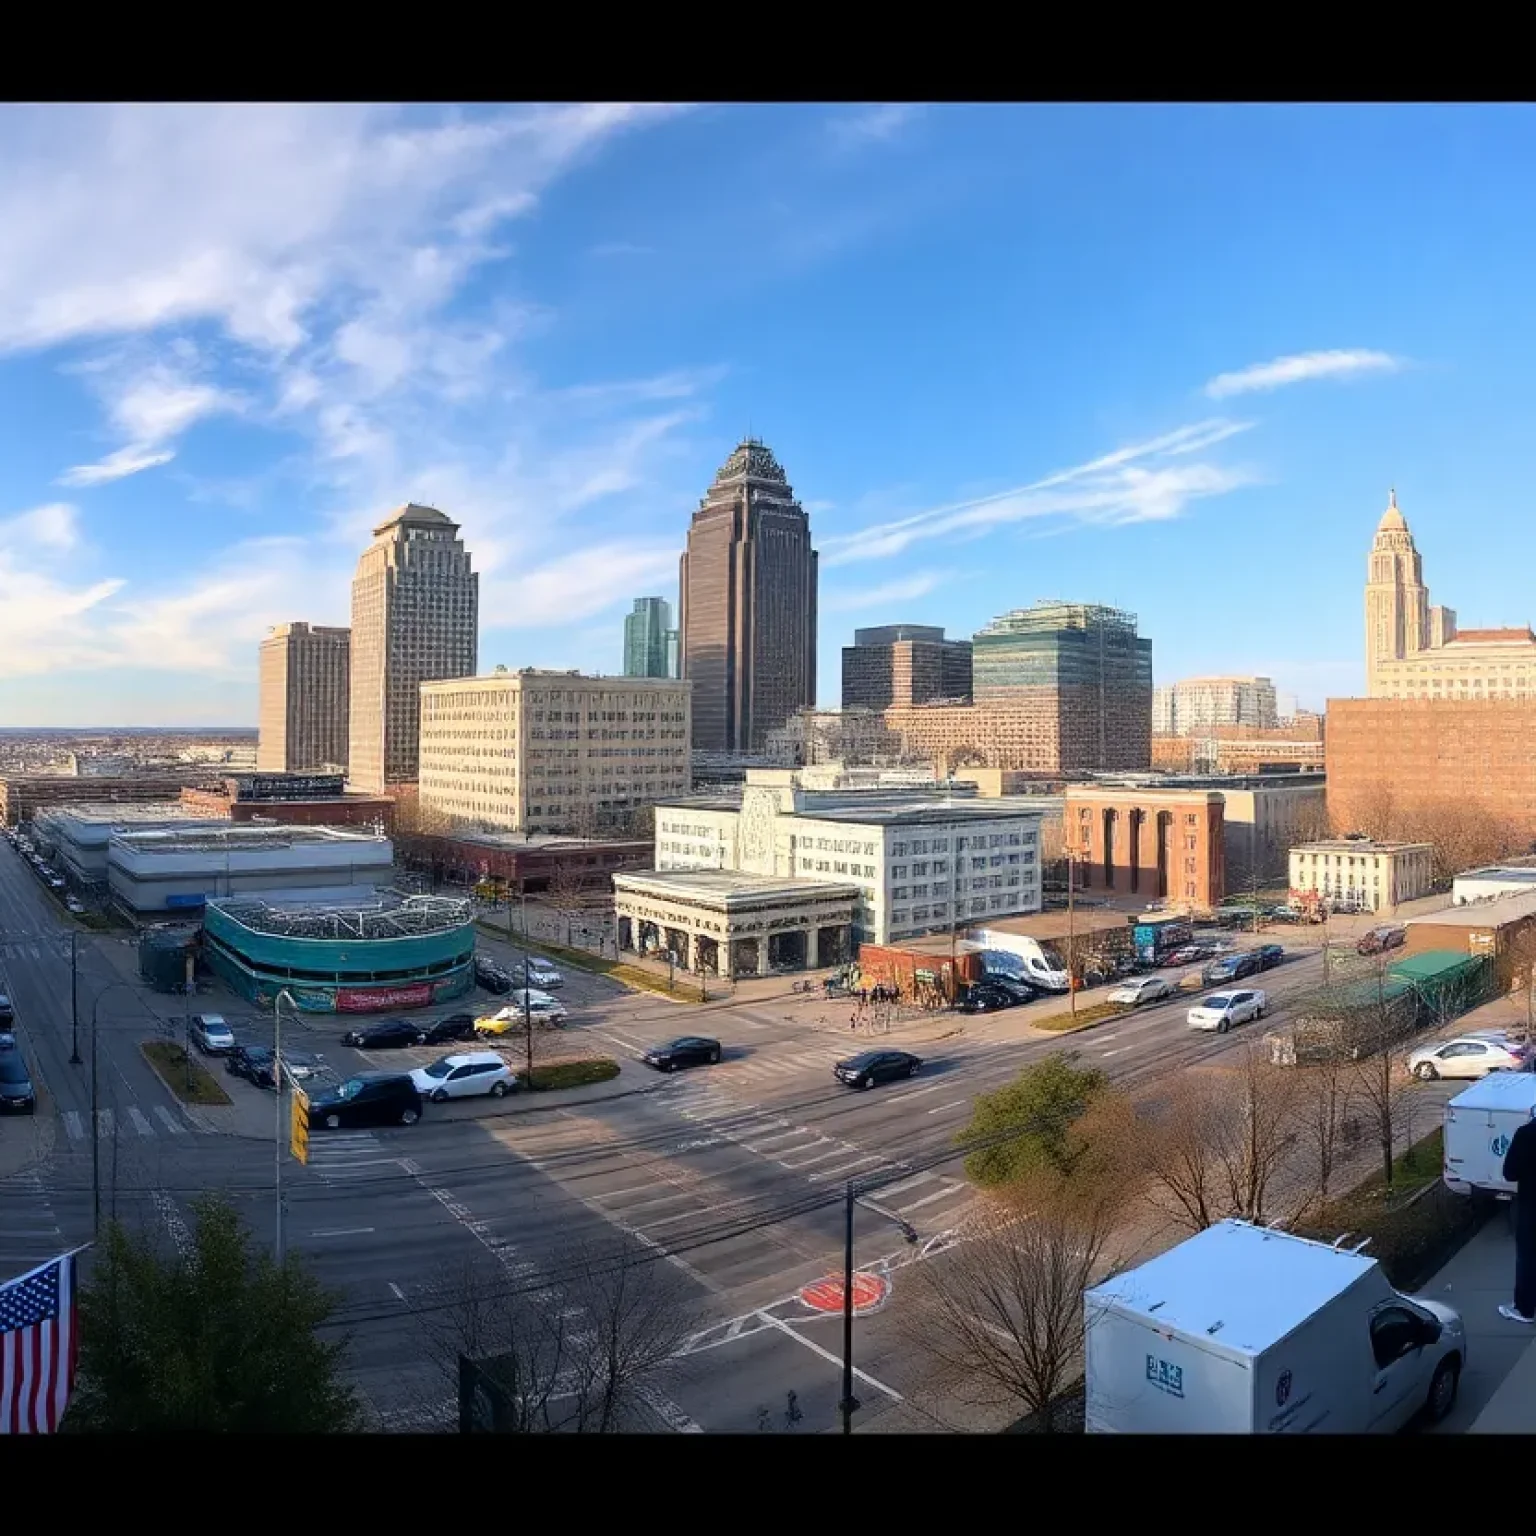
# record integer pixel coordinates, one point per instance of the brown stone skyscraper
(303, 698)
(748, 587)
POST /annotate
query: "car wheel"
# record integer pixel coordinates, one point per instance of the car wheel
(714, 1056)
(1223, 1026)
(439, 1095)
(498, 1090)
(1259, 1012)
(1425, 1072)
(333, 1122)
(912, 1070)
(409, 1116)
(867, 1082)
(1442, 1391)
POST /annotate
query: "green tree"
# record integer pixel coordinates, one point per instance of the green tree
(1025, 1127)
(216, 1339)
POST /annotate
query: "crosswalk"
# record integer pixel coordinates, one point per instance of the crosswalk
(340, 1157)
(802, 1149)
(133, 1122)
(29, 1227)
(41, 947)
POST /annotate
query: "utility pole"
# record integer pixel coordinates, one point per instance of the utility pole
(277, 1133)
(186, 1017)
(528, 1020)
(849, 1403)
(1072, 934)
(95, 1134)
(74, 999)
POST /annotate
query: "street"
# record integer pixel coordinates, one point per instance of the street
(733, 1174)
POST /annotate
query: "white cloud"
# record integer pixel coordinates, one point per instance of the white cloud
(131, 460)
(576, 586)
(1144, 482)
(872, 125)
(54, 526)
(850, 600)
(1300, 368)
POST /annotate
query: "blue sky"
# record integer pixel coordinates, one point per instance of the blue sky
(1168, 358)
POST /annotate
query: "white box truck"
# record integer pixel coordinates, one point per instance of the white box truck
(1479, 1122)
(1037, 963)
(1246, 1330)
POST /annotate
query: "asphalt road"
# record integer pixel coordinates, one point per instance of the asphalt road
(733, 1175)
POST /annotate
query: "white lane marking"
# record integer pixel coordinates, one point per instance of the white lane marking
(140, 1122)
(703, 1210)
(343, 1232)
(104, 1123)
(171, 1123)
(74, 1124)
(826, 1354)
(841, 1168)
(640, 1205)
(945, 1108)
(757, 1146)
(916, 1093)
(839, 1149)
(941, 1194)
(912, 1183)
(618, 1194)
(396, 1289)
(1114, 1052)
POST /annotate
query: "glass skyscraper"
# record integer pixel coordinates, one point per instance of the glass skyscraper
(650, 642)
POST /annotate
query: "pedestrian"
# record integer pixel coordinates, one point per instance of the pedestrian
(853, 1019)
(1520, 1170)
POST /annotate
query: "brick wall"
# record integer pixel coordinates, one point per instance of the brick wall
(1149, 846)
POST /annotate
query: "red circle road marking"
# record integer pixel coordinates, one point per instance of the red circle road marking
(826, 1295)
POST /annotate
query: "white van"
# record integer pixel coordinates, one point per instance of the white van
(1038, 966)
(1479, 1123)
(1246, 1330)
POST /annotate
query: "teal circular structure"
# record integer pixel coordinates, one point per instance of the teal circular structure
(399, 952)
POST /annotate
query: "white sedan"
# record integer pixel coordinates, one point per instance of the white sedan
(463, 1076)
(1221, 1010)
(1144, 989)
(1471, 1055)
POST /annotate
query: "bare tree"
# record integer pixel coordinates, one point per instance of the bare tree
(1176, 1137)
(1323, 1100)
(582, 1356)
(1254, 1132)
(1002, 1310)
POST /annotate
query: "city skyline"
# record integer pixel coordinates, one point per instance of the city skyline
(517, 321)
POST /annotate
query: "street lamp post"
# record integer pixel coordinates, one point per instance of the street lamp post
(95, 1112)
(849, 1403)
(74, 999)
(277, 1135)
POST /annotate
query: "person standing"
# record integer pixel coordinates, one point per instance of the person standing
(1520, 1170)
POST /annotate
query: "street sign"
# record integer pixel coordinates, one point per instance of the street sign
(298, 1129)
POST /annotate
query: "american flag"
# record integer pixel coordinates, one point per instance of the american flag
(38, 1346)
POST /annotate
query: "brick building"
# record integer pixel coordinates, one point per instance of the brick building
(1145, 843)
(524, 865)
(904, 664)
(1406, 755)
(21, 795)
(295, 799)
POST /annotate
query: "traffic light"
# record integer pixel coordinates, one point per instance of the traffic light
(298, 1130)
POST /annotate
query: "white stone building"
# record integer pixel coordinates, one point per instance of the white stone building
(1360, 874)
(1198, 703)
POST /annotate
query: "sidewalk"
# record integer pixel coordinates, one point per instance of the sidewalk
(1498, 1387)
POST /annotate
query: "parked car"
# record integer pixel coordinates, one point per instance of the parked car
(1227, 968)
(464, 1076)
(457, 1026)
(1145, 989)
(386, 1035)
(491, 977)
(7, 1012)
(1189, 954)
(685, 1051)
(261, 1067)
(1270, 955)
(17, 1095)
(871, 1067)
(1389, 936)
(299, 1068)
(1221, 1010)
(74, 905)
(1019, 991)
(986, 998)
(370, 1098)
(244, 1060)
(540, 1010)
(210, 1034)
(1474, 1054)
(540, 973)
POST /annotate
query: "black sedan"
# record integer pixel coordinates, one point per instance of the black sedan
(457, 1026)
(685, 1051)
(492, 978)
(1011, 986)
(386, 1035)
(17, 1095)
(252, 1062)
(986, 998)
(873, 1067)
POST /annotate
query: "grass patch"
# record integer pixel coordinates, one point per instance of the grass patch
(632, 976)
(573, 1074)
(1061, 1023)
(1414, 1227)
(170, 1061)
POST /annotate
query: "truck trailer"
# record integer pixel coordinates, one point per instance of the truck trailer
(1479, 1123)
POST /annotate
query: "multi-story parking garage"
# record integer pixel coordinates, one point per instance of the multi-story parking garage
(366, 957)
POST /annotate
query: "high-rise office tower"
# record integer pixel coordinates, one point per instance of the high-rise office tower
(415, 619)
(646, 634)
(904, 664)
(748, 584)
(1200, 703)
(303, 698)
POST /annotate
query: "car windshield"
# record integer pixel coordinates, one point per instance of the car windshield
(441, 1067)
(1220, 1000)
(868, 1059)
(350, 1089)
(681, 1044)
